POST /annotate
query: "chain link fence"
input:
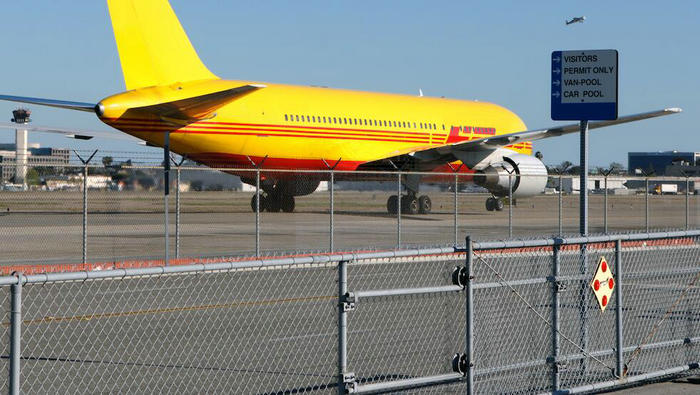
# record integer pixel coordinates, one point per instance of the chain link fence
(117, 215)
(507, 316)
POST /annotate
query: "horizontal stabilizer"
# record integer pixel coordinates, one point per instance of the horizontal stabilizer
(78, 134)
(197, 108)
(69, 105)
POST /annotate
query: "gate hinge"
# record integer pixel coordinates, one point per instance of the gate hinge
(559, 366)
(349, 382)
(347, 302)
(460, 276)
(460, 364)
(559, 286)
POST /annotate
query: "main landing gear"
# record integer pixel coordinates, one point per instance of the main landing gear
(494, 204)
(273, 202)
(410, 204)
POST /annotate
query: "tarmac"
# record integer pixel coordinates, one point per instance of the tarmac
(46, 227)
(686, 386)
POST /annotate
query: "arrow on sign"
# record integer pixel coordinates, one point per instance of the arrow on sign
(556, 82)
(556, 71)
(556, 60)
(556, 94)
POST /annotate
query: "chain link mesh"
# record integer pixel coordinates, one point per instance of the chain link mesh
(514, 326)
(41, 223)
(274, 329)
(239, 331)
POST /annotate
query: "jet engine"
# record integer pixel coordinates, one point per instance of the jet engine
(528, 176)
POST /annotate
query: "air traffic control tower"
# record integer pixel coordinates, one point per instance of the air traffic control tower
(20, 116)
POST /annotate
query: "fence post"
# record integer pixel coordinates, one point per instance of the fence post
(257, 197)
(166, 194)
(177, 212)
(332, 224)
(510, 205)
(618, 306)
(85, 207)
(86, 163)
(342, 325)
(15, 333)
(470, 317)
(583, 305)
(687, 203)
(556, 265)
(331, 189)
(605, 207)
(456, 213)
(646, 204)
(257, 211)
(398, 211)
(561, 191)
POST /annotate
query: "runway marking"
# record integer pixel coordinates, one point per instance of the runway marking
(88, 317)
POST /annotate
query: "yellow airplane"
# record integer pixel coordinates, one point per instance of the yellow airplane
(173, 100)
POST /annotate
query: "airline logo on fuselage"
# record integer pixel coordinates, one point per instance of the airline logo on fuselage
(471, 130)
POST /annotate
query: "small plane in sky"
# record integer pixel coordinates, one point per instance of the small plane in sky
(292, 133)
(579, 19)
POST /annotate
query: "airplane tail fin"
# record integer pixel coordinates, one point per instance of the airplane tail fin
(153, 47)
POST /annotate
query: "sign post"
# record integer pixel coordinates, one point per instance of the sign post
(584, 88)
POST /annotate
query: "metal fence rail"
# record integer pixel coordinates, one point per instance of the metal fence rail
(507, 316)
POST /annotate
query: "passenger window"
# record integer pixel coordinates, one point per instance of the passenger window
(297, 118)
(285, 117)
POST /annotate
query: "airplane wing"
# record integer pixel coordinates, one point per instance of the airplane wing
(71, 133)
(538, 134)
(473, 152)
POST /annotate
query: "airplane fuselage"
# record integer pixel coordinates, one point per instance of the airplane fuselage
(300, 127)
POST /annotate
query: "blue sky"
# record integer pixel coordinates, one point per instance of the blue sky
(496, 51)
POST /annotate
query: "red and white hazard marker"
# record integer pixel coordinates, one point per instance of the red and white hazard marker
(603, 283)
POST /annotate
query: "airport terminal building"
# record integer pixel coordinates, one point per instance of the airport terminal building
(667, 163)
(35, 156)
